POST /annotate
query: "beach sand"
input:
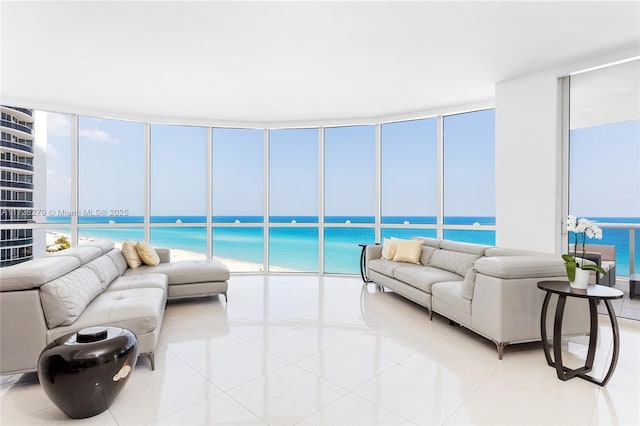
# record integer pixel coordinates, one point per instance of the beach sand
(234, 265)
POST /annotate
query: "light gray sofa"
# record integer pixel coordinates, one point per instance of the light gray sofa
(489, 290)
(91, 285)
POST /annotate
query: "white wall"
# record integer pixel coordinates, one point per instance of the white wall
(529, 163)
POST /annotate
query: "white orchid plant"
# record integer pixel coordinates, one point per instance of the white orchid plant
(582, 228)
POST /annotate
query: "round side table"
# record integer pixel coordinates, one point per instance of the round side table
(83, 372)
(593, 293)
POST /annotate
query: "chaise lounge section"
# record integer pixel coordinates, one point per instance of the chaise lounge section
(92, 285)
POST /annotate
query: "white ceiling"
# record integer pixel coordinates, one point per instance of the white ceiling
(273, 62)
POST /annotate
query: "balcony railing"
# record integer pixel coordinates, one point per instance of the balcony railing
(14, 145)
(12, 125)
(16, 203)
(14, 184)
(622, 251)
(16, 242)
(29, 112)
(16, 165)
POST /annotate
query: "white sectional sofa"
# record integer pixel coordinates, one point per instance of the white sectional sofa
(489, 290)
(91, 285)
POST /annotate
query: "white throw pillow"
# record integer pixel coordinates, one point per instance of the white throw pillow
(408, 251)
(389, 248)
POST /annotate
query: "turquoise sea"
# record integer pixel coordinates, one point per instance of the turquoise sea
(296, 247)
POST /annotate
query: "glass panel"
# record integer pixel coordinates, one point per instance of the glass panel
(484, 237)
(58, 160)
(184, 242)
(469, 168)
(178, 174)
(350, 174)
(118, 235)
(406, 234)
(341, 250)
(604, 154)
(409, 172)
(240, 248)
(293, 181)
(111, 171)
(238, 175)
(293, 249)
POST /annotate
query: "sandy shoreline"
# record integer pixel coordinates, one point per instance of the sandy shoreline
(234, 265)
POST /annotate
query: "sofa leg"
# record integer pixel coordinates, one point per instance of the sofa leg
(226, 299)
(151, 357)
(430, 314)
(501, 347)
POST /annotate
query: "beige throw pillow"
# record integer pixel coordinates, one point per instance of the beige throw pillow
(130, 254)
(389, 248)
(147, 253)
(408, 251)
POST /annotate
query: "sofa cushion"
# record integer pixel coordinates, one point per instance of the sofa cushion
(147, 254)
(138, 310)
(453, 261)
(34, 273)
(187, 271)
(150, 280)
(66, 297)
(118, 259)
(469, 283)
(104, 245)
(105, 270)
(408, 251)
(464, 247)
(448, 302)
(130, 254)
(389, 247)
(498, 251)
(430, 242)
(422, 277)
(83, 253)
(425, 255)
(383, 266)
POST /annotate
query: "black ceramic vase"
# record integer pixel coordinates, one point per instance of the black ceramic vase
(83, 372)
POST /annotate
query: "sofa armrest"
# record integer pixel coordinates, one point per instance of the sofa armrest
(372, 252)
(164, 254)
(529, 266)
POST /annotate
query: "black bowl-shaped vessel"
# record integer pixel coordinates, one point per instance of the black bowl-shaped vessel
(83, 372)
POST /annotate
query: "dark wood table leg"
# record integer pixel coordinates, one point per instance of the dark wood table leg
(557, 337)
(543, 329)
(362, 264)
(616, 342)
(593, 334)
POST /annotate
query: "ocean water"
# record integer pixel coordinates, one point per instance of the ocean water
(296, 248)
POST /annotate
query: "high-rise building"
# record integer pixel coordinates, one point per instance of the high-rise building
(16, 184)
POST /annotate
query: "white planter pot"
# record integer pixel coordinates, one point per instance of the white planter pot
(581, 280)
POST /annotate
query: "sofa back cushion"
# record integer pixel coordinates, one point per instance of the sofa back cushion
(470, 248)
(104, 245)
(426, 254)
(453, 261)
(34, 273)
(83, 253)
(105, 270)
(431, 242)
(66, 297)
(469, 284)
(118, 259)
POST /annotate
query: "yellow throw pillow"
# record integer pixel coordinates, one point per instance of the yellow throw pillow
(389, 248)
(147, 253)
(408, 251)
(130, 254)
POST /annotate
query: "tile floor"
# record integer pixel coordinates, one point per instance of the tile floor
(291, 349)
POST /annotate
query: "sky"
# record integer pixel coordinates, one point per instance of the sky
(111, 170)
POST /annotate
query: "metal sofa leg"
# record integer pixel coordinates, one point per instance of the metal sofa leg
(501, 347)
(226, 299)
(151, 357)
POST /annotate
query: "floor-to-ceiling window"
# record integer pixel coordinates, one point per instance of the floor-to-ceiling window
(349, 195)
(604, 156)
(238, 198)
(469, 175)
(293, 199)
(409, 175)
(178, 189)
(111, 178)
(281, 200)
